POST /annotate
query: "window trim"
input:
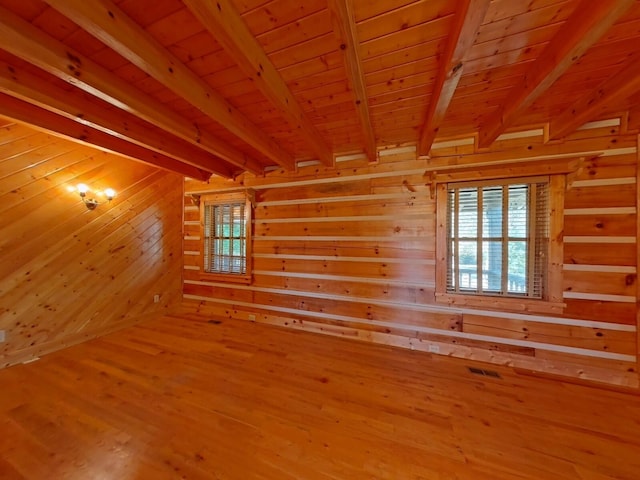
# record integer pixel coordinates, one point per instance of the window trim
(553, 300)
(226, 199)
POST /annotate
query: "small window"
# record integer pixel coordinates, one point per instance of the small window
(226, 236)
(497, 238)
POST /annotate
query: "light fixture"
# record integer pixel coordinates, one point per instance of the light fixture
(92, 202)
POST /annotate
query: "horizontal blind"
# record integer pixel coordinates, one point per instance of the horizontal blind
(497, 238)
(225, 240)
(541, 236)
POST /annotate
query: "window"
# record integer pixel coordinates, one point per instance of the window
(497, 235)
(226, 236)
(499, 243)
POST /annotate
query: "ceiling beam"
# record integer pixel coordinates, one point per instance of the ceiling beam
(229, 29)
(104, 20)
(63, 127)
(468, 17)
(618, 87)
(344, 27)
(585, 26)
(73, 105)
(31, 44)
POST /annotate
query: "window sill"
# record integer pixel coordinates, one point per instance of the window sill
(500, 303)
(223, 277)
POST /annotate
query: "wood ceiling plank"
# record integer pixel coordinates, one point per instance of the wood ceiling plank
(426, 51)
(228, 27)
(401, 74)
(526, 19)
(509, 58)
(410, 37)
(404, 17)
(172, 29)
(312, 49)
(291, 34)
(317, 80)
(61, 126)
(312, 66)
(344, 27)
(148, 13)
(468, 17)
(619, 86)
(516, 41)
(278, 13)
(106, 21)
(44, 94)
(506, 9)
(32, 45)
(364, 9)
(424, 81)
(585, 26)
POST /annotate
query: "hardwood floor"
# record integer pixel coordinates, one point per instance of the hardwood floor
(177, 398)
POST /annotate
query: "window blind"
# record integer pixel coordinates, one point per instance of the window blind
(497, 238)
(225, 239)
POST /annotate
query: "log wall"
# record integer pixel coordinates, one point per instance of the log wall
(351, 252)
(68, 274)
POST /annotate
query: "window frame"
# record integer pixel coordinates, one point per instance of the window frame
(234, 198)
(552, 301)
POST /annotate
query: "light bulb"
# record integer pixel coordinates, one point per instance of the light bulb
(82, 188)
(110, 193)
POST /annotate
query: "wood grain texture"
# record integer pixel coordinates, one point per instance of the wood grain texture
(35, 46)
(68, 274)
(132, 42)
(202, 397)
(344, 27)
(469, 16)
(353, 253)
(257, 82)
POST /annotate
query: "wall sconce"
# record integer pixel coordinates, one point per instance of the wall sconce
(91, 202)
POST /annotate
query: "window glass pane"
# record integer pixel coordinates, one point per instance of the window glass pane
(518, 205)
(468, 273)
(468, 213)
(451, 275)
(492, 266)
(517, 282)
(492, 212)
(225, 247)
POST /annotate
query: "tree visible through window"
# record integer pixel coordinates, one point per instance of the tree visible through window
(226, 236)
(497, 238)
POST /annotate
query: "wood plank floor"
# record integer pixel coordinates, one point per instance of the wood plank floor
(177, 398)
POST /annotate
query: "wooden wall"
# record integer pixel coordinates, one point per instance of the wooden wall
(350, 252)
(66, 273)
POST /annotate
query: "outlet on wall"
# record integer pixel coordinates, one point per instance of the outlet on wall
(434, 348)
(156, 298)
(3, 336)
(252, 317)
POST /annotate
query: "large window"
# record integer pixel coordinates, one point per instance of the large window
(499, 243)
(226, 236)
(497, 236)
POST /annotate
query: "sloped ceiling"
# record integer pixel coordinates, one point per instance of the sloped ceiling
(201, 87)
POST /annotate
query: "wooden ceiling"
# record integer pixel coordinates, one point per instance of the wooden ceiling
(225, 86)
